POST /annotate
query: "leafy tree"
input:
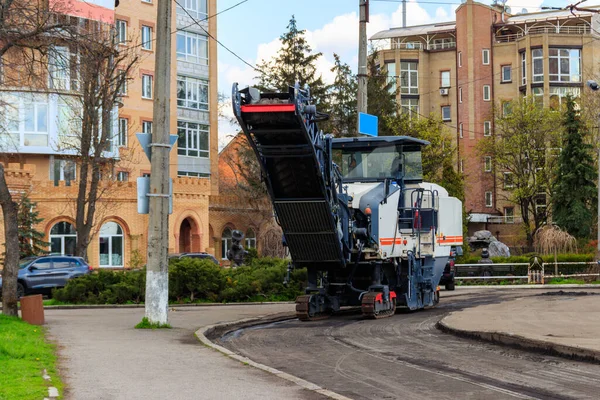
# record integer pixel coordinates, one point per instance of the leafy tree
(342, 96)
(527, 138)
(294, 62)
(380, 101)
(31, 241)
(575, 196)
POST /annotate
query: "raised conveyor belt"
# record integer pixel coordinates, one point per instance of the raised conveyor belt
(281, 129)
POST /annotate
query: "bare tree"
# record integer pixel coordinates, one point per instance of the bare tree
(25, 29)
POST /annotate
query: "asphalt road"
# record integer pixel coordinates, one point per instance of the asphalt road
(406, 357)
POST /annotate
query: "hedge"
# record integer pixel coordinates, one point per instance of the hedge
(190, 280)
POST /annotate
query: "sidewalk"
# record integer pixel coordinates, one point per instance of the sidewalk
(102, 357)
(564, 324)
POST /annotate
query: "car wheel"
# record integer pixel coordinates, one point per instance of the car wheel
(450, 286)
(20, 290)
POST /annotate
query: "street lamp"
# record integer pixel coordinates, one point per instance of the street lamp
(595, 87)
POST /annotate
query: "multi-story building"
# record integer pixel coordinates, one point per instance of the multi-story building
(49, 173)
(464, 69)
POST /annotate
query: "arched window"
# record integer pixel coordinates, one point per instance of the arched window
(250, 239)
(225, 242)
(63, 238)
(111, 245)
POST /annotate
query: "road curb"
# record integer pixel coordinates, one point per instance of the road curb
(203, 333)
(521, 342)
(117, 306)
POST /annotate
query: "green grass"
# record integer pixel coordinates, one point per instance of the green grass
(24, 354)
(145, 324)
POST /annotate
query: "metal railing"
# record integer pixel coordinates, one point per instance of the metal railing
(509, 271)
(419, 45)
(441, 46)
(563, 30)
(504, 219)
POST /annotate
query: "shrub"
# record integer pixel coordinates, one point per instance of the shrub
(104, 287)
(194, 278)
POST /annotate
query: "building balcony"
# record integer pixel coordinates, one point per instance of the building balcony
(441, 45)
(504, 219)
(541, 30)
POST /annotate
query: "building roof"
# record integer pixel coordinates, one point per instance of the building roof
(547, 15)
(416, 30)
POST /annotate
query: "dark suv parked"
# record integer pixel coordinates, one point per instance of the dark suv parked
(42, 274)
(195, 255)
(447, 278)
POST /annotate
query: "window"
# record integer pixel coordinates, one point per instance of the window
(197, 8)
(147, 1)
(489, 199)
(523, 69)
(487, 128)
(146, 86)
(540, 204)
(443, 43)
(537, 65)
(485, 56)
(558, 95)
(64, 170)
(460, 95)
(63, 238)
(506, 73)
(461, 166)
(192, 47)
(250, 239)
(225, 243)
(410, 107)
(122, 82)
(59, 68)
(122, 176)
(446, 113)
(565, 65)
(111, 245)
(42, 264)
(121, 31)
(35, 110)
(192, 93)
(508, 180)
(146, 37)
(193, 174)
(460, 59)
(193, 139)
(409, 78)
(460, 130)
(391, 73)
(121, 139)
(506, 108)
(486, 93)
(487, 164)
(147, 127)
(509, 215)
(445, 79)
(538, 96)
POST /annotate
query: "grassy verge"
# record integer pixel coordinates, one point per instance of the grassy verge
(24, 354)
(145, 324)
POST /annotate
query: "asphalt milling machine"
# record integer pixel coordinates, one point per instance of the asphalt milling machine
(355, 211)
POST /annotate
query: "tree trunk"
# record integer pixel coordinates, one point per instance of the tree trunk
(11, 257)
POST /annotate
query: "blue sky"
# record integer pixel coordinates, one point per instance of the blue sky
(252, 30)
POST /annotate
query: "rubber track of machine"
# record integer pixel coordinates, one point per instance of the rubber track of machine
(302, 308)
(368, 307)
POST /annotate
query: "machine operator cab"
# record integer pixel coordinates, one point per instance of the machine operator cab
(376, 159)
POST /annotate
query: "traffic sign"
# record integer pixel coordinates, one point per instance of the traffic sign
(146, 138)
(367, 124)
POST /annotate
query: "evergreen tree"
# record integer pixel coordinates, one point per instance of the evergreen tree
(294, 62)
(342, 97)
(380, 99)
(31, 241)
(575, 196)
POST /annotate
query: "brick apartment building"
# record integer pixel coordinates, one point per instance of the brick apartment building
(488, 55)
(49, 175)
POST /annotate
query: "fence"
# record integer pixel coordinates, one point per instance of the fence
(508, 271)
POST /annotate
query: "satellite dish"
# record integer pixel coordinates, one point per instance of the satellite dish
(507, 10)
(524, 11)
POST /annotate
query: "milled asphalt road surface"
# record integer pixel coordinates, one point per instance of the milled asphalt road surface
(102, 357)
(406, 357)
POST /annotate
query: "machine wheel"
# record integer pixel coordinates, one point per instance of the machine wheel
(370, 309)
(450, 286)
(303, 310)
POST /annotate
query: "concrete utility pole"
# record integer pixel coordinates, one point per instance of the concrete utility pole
(404, 13)
(362, 56)
(157, 277)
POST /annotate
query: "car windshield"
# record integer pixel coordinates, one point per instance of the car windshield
(378, 163)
